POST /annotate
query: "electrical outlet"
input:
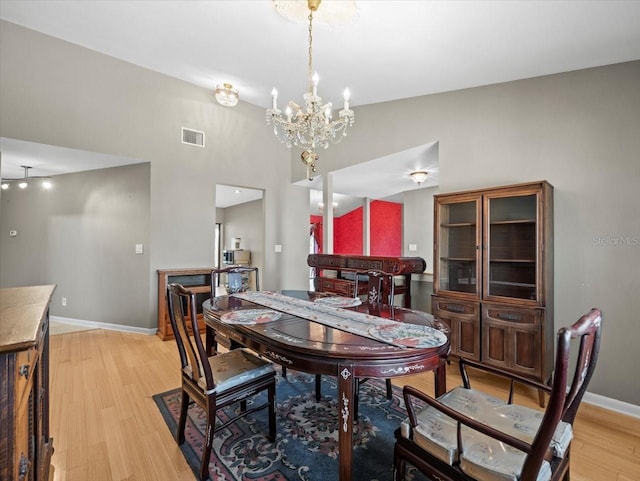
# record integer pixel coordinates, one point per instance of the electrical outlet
(64, 302)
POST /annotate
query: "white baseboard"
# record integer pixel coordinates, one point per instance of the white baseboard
(612, 404)
(103, 325)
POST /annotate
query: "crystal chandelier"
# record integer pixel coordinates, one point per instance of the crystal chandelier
(311, 125)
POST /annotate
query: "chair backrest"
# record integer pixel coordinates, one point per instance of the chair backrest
(563, 403)
(193, 355)
(588, 330)
(379, 286)
(232, 279)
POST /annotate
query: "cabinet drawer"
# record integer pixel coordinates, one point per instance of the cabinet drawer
(511, 315)
(337, 286)
(444, 306)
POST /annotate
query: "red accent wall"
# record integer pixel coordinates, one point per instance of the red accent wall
(386, 230)
(347, 233)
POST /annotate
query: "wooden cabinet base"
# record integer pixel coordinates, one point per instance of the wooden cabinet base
(198, 280)
(25, 445)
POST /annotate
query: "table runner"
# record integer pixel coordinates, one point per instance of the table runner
(336, 317)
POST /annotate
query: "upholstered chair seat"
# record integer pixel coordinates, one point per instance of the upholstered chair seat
(484, 458)
(235, 367)
(467, 435)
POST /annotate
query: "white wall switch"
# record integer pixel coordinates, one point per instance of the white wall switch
(139, 249)
(278, 248)
(413, 247)
(64, 301)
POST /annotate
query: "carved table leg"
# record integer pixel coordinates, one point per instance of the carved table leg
(346, 387)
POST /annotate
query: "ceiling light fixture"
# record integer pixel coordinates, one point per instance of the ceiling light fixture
(226, 95)
(419, 176)
(311, 125)
(23, 182)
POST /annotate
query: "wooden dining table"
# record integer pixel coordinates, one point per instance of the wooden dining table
(310, 346)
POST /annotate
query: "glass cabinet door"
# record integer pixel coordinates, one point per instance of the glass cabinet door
(511, 246)
(458, 246)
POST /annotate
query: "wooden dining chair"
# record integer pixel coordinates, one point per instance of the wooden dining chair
(379, 291)
(232, 279)
(468, 435)
(218, 381)
(379, 286)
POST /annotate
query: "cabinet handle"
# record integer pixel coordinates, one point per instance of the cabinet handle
(509, 316)
(25, 466)
(24, 370)
(458, 309)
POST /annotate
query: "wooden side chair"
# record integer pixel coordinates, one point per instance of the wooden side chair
(379, 291)
(379, 286)
(218, 381)
(468, 435)
(232, 279)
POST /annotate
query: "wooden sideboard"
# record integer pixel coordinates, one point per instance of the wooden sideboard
(25, 445)
(197, 280)
(343, 268)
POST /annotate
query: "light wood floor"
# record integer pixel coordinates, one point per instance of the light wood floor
(105, 425)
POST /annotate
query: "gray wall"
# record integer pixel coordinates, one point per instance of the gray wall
(247, 222)
(57, 93)
(578, 130)
(81, 235)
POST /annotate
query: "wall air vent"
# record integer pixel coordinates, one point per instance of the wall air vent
(192, 137)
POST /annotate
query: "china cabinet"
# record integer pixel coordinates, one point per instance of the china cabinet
(493, 275)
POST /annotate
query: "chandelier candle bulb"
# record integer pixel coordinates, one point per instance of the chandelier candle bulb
(274, 99)
(347, 96)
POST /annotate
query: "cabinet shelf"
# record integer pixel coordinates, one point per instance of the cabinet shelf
(459, 224)
(514, 261)
(460, 259)
(512, 284)
(516, 221)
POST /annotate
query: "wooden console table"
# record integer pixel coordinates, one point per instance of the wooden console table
(344, 264)
(25, 445)
(195, 279)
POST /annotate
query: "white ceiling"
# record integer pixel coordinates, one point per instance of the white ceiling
(392, 50)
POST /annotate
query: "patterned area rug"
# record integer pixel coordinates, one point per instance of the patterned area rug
(306, 447)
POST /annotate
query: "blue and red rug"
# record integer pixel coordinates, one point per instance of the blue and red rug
(306, 447)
